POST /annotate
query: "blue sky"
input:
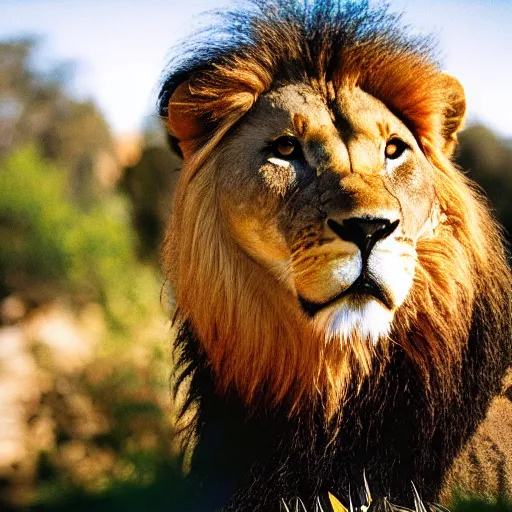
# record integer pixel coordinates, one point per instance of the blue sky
(121, 47)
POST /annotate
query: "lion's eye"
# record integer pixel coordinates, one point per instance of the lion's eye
(394, 148)
(286, 147)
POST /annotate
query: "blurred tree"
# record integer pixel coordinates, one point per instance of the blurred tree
(488, 160)
(84, 366)
(150, 185)
(52, 246)
(36, 108)
(154, 134)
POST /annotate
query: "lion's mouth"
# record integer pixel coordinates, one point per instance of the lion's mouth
(362, 287)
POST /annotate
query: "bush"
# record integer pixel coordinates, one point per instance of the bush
(50, 246)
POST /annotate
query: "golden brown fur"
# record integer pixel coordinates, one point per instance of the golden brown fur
(255, 337)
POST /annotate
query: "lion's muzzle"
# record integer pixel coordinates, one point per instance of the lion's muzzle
(364, 233)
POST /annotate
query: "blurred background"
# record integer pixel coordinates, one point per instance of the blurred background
(86, 182)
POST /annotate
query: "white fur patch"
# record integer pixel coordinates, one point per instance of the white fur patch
(348, 270)
(368, 320)
(390, 269)
(392, 164)
(278, 161)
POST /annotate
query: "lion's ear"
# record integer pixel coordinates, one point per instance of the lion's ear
(454, 113)
(183, 124)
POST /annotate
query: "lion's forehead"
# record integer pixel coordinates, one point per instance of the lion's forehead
(289, 100)
(349, 113)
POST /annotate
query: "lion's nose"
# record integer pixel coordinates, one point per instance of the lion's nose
(364, 232)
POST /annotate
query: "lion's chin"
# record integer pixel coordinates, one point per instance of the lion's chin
(365, 319)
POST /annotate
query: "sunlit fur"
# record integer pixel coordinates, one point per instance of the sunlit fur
(248, 324)
(357, 387)
(370, 321)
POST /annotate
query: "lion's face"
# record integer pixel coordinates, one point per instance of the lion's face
(331, 198)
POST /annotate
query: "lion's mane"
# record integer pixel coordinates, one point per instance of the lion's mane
(252, 372)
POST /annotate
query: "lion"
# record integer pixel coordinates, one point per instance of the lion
(343, 300)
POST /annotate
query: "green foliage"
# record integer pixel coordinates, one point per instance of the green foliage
(49, 241)
(166, 493)
(92, 354)
(478, 504)
(109, 421)
(33, 218)
(36, 109)
(126, 448)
